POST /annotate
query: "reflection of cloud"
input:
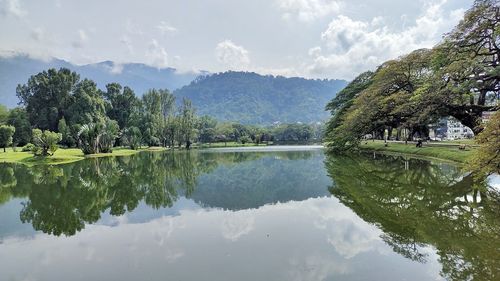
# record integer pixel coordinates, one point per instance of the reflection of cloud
(315, 268)
(350, 240)
(171, 255)
(345, 231)
(236, 225)
(162, 230)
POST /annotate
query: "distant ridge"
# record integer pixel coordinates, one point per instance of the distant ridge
(140, 77)
(251, 98)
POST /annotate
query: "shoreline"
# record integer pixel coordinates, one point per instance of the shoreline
(439, 152)
(449, 153)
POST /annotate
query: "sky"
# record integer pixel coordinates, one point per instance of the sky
(335, 39)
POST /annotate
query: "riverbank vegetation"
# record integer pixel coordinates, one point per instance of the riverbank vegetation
(459, 77)
(59, 110)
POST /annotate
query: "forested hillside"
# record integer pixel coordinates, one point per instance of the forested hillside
(251, 98)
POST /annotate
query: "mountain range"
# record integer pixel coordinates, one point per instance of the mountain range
(140, 77)
(244, 97)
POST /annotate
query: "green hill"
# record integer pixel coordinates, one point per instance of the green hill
(251, 98)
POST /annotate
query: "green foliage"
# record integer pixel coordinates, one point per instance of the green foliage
(29, 147)
(4, 113)
(98, 137)
(293, 133)
(47, 95)
(132, 137)
(456, 78)
(245, 139)
(250, 98)
(120, 104)
(86, 104)
(19, 119)
(206, 127)
(45, 142)
(6, 133)
(487, 159)
(67, 137)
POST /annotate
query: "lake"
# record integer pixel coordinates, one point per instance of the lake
(284, 213)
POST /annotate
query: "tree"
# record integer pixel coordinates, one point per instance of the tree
(206, 127)
(98, 137)
(466, 67)
(67, 138)
(108, 135)
(132, 137)
(4, 113)
(19, 119)
(86, 104)
(45, 142)
(120, 104)
(46, 96)
(486, 160)
(6, 133)
(187, 122)
(167, 104)
(151, 117)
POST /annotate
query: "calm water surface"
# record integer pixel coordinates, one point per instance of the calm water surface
(279, 214)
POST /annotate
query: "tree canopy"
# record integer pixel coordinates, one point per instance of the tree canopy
(459, 77)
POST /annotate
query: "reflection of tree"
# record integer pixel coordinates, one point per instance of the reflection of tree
(7, 182)
(427, 204)
(62, 199)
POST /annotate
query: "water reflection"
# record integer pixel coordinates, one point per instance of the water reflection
(63, 199)
(426, 205)
(281, 215)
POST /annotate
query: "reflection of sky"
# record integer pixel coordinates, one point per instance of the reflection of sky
(494, 182)
(315, 239)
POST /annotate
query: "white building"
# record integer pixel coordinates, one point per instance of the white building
(455, 130)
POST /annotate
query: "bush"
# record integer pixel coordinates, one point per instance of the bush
(45, 142)
(29, 147)
(98, 137)
(245, 139)
(132, 137)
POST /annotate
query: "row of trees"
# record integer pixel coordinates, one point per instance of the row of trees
(58, 102)
(459, 77)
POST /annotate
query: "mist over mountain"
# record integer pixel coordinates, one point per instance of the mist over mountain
(250, 98)
(140, 77)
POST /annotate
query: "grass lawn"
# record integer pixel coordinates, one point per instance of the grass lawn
(62, 155)
(442, 152)
(228, 144)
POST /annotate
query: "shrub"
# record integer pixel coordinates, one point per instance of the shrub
(45, 142)
(29, 147)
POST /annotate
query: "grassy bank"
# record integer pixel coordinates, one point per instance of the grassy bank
(451, 153)
(61, 156)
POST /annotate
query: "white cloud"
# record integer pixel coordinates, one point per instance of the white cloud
(356, 46)
(38, 34)
(125, 40)
(82, 39)
(12, 7)
(157, 55)
(308, 10)
(166, 28)
(231, 55)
